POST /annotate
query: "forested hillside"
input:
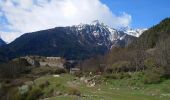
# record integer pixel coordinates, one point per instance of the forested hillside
(150, 54)
(157, 33)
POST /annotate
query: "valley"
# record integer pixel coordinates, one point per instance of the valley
(84, 50)
(87, 62)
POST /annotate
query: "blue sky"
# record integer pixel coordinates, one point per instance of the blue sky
(145, 13)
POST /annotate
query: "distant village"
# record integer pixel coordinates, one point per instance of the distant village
(45, 61)
(58, 62)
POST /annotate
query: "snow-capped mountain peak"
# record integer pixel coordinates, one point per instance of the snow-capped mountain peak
(101, 34)
(136, 32)
(133, 32)
(114, 35)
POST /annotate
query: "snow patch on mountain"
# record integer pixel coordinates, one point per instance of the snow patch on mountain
(104, 35)
(123, 37)
(136, 32)
(133, 32)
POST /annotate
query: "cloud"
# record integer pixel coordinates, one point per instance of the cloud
(9, 36)
(32, 15)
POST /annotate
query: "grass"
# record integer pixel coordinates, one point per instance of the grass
(110, 89)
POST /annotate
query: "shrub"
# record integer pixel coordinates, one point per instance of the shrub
(117, 76)
(34, 94)
(74, 91)
(150, 63)
(3, 91)
(136, 79)
(78, 74)
(124, 75)
(121, 66)
(60, 71)
(49, 93)
(18, 96)
(45, 84)
(153, 73)
(166, 89)
(152, 76)
(23, 89)
(58, 84)
(111, 76)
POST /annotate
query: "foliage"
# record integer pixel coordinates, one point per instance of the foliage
(158, 32)
(59, 71)
(14, 68)
(150, 64)
(152, 76)
(162, 55)
(118, 76)
(47, 70)
(43, 85)
(92, 65)
(74, 91)
(121, 66)
(34, 93)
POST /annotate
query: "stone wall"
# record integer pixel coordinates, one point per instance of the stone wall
(46, 61)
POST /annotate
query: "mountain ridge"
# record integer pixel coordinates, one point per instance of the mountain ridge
(2, 42)
(72, 42)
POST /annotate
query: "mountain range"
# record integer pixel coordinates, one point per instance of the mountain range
(71, 42)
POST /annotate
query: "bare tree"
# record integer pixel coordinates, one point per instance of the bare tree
(138, 56)
(162, 54)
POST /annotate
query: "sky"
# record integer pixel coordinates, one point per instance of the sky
(22, 16)
(145, 13)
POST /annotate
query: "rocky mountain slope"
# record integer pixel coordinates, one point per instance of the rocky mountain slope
(2, 42)
(72, 42)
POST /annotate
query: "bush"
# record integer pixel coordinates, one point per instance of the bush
(23, 89)
(152, 76)
(166, 89)
(153, 73)
(121, 66)
(150, 63)
(3, 91)
(45, 84)
(117, 76)
(42, 71)
(124, 75)
(60, 71)
(78, 74)
(49, 93)
(13, 70)
(58, 84)
(74, 91)
(111, 76)
(34, 94)
(19, 96)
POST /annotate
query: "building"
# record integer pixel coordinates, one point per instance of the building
(52, 62)
(45, 61)
(74, 70)
(31, 60)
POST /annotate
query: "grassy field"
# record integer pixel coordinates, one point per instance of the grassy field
(110, 89)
